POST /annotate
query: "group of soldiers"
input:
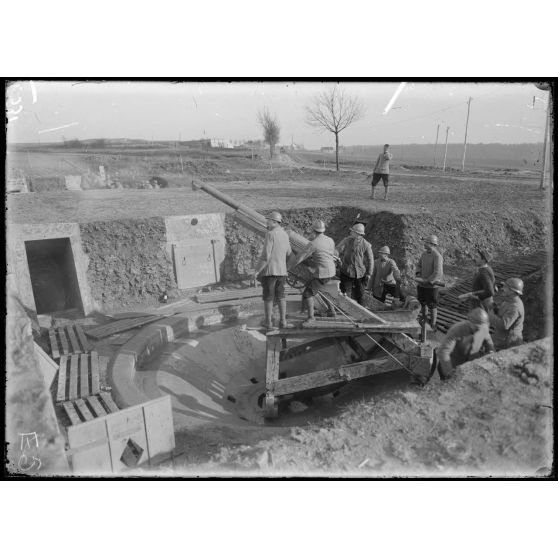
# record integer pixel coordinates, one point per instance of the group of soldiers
(359, 272)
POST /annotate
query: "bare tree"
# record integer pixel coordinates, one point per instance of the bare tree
(271, 129)
(334, 110)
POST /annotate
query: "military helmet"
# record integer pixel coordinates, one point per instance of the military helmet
(276, 216)
(432, 239)
(384, 250)
(515, 284)
(318, 225)
(478, 316)
(358, 228)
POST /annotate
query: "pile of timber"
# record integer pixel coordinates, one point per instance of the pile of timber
(236, 294)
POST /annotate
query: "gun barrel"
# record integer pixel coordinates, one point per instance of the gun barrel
(258, 217)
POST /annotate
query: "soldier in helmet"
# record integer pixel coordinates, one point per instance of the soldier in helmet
(463, 342)
(508, 317)
(322, 251)
(429, 276)
(386, 277)
(357, 263)
(272, 265)
(484, 282)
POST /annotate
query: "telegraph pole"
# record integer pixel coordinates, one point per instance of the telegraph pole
(446, 151)
(466, 127)
(436, 144)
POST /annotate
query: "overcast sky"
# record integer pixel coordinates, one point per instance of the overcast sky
(50, 111)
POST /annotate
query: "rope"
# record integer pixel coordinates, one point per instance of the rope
(337, 309)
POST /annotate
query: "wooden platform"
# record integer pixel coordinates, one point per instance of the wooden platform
(106, 330)
(78, 376)
(67, 340)
(89, 408)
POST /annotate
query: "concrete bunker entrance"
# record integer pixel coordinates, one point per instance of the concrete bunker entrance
(53, 275)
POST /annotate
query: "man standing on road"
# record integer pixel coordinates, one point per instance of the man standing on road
(508, 317)
(357, 263)
(322, 251)
(386, 277)
(272, 265)
(429, 276)
(464, 341)
(381, 170)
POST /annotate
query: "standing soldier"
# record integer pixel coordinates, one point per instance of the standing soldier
(322, 251)
(272, 265)
(429, 276)
(357, 263)
(509, 316)
(386, 277)
(484, 283)
(381, 170)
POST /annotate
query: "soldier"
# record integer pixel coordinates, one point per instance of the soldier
(381, 171)
(322, 251)
(272, 265)
(508, 317)
(429, 276)
(357, 263)
(483, 283)
(386, 277)
(463, 342)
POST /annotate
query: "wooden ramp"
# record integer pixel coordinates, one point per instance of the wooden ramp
(67, 340)
(89, 408)
(78, 376)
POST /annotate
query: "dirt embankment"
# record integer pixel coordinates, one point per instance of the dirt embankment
(34, 443)
(537, 299)
(493, 418)
(128, 261)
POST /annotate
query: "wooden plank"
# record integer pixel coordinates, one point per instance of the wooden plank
(94, 372)
(53, 343)
(82, 338)
(71, 412)
(63, 340)
(108, 401)
(159, 429)
(333, 375)
(96, 406)
(82, 408)
(119, 326)
(61, 392)
(234, 294)
(273, 350)
(74, 345)
(402, 327)
(84, 375)
(73, 377)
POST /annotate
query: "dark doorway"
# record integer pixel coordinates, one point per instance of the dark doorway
(53, 275)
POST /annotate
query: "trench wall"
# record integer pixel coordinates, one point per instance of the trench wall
(35, 445)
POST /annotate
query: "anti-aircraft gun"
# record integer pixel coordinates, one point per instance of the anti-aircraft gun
(358, 342)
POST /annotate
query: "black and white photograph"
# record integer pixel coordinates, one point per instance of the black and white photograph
(247, 279)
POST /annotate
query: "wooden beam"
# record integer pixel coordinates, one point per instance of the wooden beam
(273, 350)
(343, 373)
(82, 408)
(94, 372)
(61, 393)
(71, 412)
(84, 375)
(53, 343)
(73, 377)
(74, 345)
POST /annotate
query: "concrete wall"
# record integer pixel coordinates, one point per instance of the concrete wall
(18, 266)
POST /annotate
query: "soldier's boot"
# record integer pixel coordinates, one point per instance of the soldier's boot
(268, 313)
(283, 313)
(433, 318)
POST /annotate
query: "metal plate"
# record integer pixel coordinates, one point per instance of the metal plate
(194, 264)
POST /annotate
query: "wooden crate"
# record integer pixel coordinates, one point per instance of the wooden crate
(78, 376)
(67, 340)
(142, 435)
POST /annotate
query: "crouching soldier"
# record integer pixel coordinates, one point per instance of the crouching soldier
(463, 342)
(386, 277)
(508, 317)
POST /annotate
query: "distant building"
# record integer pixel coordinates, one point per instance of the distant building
(327, 149)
